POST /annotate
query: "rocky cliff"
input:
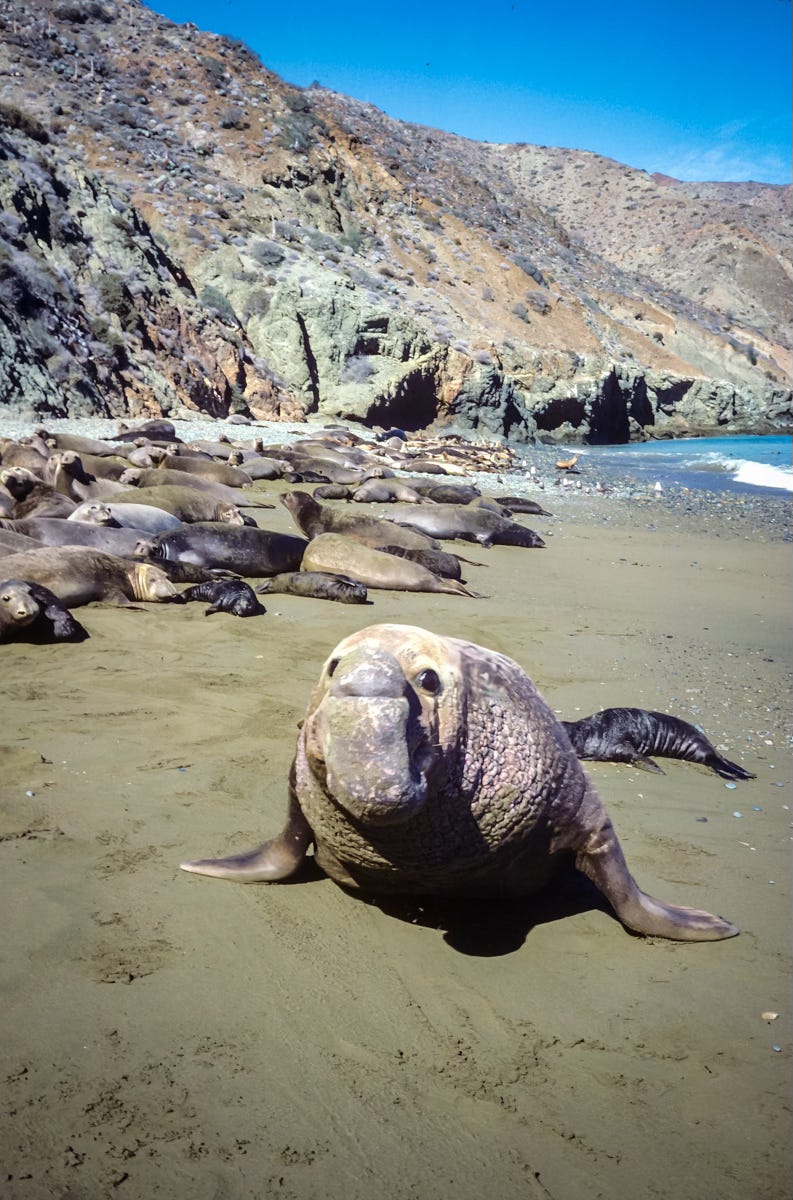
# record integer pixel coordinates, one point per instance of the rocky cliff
(182, 230)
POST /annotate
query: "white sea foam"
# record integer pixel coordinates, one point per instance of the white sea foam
(761, 475)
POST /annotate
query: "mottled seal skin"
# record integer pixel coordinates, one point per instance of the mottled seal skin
(429, 765)
(224, 595)
(319, 585)
(32, 613)
(633, 734)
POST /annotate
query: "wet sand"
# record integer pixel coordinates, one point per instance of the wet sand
(168, 1035)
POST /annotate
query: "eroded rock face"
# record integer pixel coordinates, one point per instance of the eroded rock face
(183, 232)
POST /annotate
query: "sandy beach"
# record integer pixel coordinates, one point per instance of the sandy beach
(167, 1035)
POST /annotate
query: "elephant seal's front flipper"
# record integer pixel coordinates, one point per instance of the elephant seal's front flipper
(275, 859)
(600, 858)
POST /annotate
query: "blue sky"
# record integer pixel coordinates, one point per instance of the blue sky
(696, 89)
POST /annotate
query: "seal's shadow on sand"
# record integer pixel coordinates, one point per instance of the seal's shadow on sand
(487, 928)
(483, 927)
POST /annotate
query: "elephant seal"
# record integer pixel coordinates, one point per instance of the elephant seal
(388, 491)
(206, 468)
(32, 613)
(224, 595)
(31, 454)
(66, 472)
(338, 555)
(11, 541)
(440, 562)
(445, 493)
(471, 524)
(632, 734)
(313, 519)
(429, 765)
(78, 575)
(81, 445)
(248, 551)
(156, 429)
(520, 504)
(54, 531)
(187, 503)
(144, 518)
(318, 585)
(32, 496)
(157, 477)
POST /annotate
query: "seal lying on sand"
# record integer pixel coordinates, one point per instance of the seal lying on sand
(32, 613)
(338, 555)
(466, 522)
(224, 595)
(318, 585)
(429, 765)
(248, 550)
(312, 519)
(633, 734)
(186, 503)
(78, 575)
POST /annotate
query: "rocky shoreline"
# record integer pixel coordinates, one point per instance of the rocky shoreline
(762, 515)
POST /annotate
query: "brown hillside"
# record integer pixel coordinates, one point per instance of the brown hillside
(181, 229)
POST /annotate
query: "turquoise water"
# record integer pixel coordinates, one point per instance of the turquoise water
(735, 464)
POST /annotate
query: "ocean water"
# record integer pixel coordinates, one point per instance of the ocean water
(732, 464)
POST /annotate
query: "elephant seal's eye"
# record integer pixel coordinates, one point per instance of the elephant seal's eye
(332, 665)
(428, 681)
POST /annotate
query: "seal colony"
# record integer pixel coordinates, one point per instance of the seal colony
(431, 765)
(147, 500)
(389, 742)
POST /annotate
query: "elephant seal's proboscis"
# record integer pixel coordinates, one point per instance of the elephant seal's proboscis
(429, 765)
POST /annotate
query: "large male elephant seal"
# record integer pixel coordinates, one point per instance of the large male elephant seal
(429, 765)
(632, 734)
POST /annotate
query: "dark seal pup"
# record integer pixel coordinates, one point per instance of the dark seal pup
(224, 595)
(429, 765)
(632, 734)
(30, 612)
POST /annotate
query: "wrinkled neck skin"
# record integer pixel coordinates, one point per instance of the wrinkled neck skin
(470, 780)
